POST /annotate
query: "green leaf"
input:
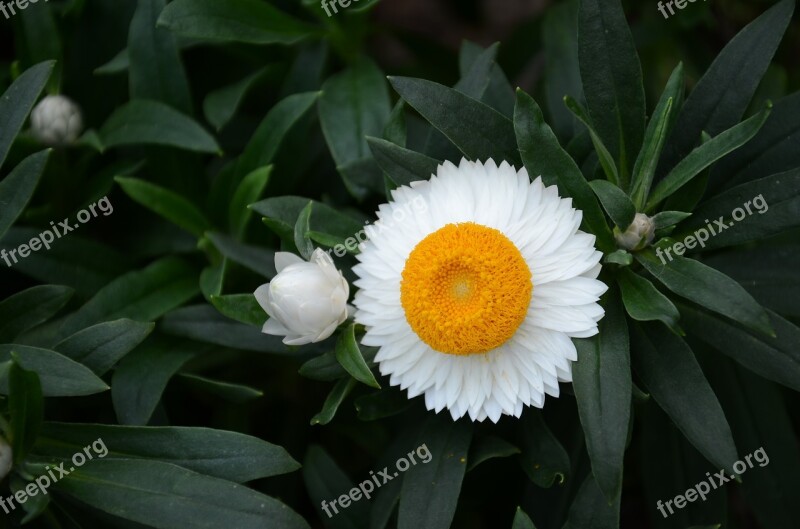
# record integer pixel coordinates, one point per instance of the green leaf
(543, 458)
(85, 265)
(29, 308)
(324, 367)
(241, 307)
(643, 301)
(145, 122)
(141, 377)
(263, 146)
(670, 371)
(776, 359)
(248, 21)
(522, 520)
(354, 104)
(59, 376)
(250, 189)
(349, 355)
(602, 385)
(562, 74)
(707, 287)
(489, 447)
(333, 401)
(226, 455)
(619, 257)
(169, 204)
(155, 70)
(234, 393)
(778, 195)
(659, 128)
(220, 105)
(590, 510)
(255, 258)
(705, 155)
(543, 155)
(301, 229)
(204, 324)
(721, 96)
(429, 492)
(143, 295)
(606, 160)
(26, 408)
(17, 102)
(101, 346)
(17, 188)
(281, 215)
(612, 80)
(479, 131)
(666, 219)
(165, 496)
(326, 482)
(402, 165)
(616, 203)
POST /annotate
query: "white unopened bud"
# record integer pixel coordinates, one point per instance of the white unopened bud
(638, 235)
(306, 301)
(56, 121)
(6, 458)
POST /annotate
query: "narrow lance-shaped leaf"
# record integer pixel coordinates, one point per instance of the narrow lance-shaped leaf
(402, 165)
(16, 189)
(301, 229)
(606, 160)
(708, 153)
(644, 302)
(479, 131)
(349, 355)
(664, 117)
(59, 376)
(101, 346)
(543, 156)
(616, 203)
(672, 376)
(591, 510)
(602, 384)
(26, 407)
(27, 309)
(334, 400)
(169, 204)
(17, 102)
(707, 287)
(612, 80)
(543, 458)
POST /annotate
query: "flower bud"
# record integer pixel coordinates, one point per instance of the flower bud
(306, 301)
(56, 121)
(638, 235)
(6, 458)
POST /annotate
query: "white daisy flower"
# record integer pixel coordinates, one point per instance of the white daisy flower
(473, 300)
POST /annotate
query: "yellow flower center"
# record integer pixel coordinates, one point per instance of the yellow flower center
(465, 289)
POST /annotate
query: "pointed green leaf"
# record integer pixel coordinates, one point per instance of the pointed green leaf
(479, 131)
(616, 203)
(59, 376)
(241, 307)
(333, 401)
(644, 302)
(543, 458)
(220, 105)
(707, 287)
(16, 103)
(101, 346)
(325, 482)
(670, 371)
(145, 122)
(248, 21)
(349, 355)
(591, 510)
(522, 521)
(606, 160)
(27, 309)
(301, 229)
(402, 165)
(543, 156)
(26, 408)
(169, 204)
(17, 188)
(227, 391)
(705, 155)
(612, 80)
(250, 189)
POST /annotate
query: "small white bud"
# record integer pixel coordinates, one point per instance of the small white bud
(56, 121)
(638, 235)
(306, 301)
